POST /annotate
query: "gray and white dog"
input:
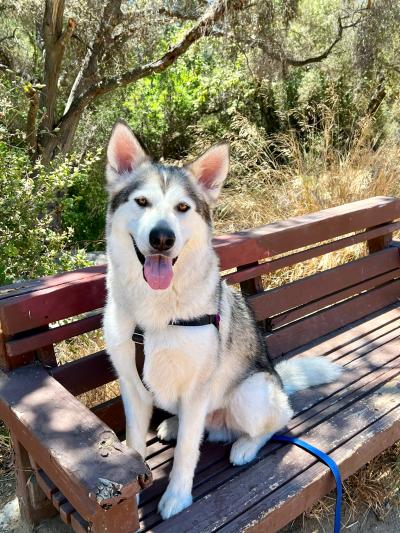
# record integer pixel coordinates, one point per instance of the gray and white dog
(162, 269)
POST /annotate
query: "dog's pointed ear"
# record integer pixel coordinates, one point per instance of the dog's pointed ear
(124, 153)
(211, 170)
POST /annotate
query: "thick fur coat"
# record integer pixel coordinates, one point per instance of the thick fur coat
(162, 268)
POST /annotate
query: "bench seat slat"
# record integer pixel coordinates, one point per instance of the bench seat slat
(258, 481)
(311, 407)
(285, 504)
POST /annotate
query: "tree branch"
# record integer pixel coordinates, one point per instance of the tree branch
(7, 37)
(173, 13)
(203, 27)
(314, 59)
(111, 17)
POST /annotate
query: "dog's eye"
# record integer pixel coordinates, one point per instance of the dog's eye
(142, 201)
(182, 207)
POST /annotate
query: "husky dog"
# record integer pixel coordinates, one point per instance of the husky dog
(162, 271)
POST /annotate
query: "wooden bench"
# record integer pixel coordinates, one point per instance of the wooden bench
(68, 458)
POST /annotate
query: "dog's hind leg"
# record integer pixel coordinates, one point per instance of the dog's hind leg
(258, 408)
(138, 402)
(168, 429)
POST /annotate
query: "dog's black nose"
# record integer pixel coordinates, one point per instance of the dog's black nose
(162, 238)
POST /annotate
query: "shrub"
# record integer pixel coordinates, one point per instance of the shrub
(33, 241)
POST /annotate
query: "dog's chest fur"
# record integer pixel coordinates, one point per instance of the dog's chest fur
(177, 360)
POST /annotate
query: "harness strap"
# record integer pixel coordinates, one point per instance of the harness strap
(323, 457)
(204, 320)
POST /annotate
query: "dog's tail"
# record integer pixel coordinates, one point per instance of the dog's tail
(301, 373)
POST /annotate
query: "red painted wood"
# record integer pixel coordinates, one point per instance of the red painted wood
(49, 305)
(274, 512)
(86, 373)
(313, 406)
(111, 413)
(314, 287)
(33, 341)
(248, 246)
(272, 265)
(257, 481)
(66, 299)
(310, 328)
(65, 439)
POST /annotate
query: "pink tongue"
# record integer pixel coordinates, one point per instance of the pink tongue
(158, 271)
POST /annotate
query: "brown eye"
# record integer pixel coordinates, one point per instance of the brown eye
(142, 201)
(182, 207)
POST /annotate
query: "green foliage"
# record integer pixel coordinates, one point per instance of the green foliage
(32, 243)
(83, 206)
(163, 108)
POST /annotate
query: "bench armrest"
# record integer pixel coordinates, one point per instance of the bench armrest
(80, 454)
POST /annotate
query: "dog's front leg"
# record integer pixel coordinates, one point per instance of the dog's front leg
(138, 402)
(192, 414)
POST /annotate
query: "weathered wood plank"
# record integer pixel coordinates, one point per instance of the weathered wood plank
(86, 373)
(285, 504)
(355, 334)
(33, 503)
(56, 302)
(272, 265)
(78, 524)
(307, 309)
(34, 341)
(312, 407)
(254, 484)
(291, 295)
(310, 328)
(30, 286)
(252, 245)
(48, 305)
(66, 511)
(111, 413)
(68, 441)
(45, 483)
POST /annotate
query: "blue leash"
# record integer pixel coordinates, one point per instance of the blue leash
(329, 462)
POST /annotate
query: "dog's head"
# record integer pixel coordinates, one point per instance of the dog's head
(163, 208)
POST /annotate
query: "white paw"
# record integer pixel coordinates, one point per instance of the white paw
(173, 502)
(243, 451)
(168, 429)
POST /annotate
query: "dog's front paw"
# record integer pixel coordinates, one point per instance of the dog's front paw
(168, 429)
(243, 451)
(173, 502)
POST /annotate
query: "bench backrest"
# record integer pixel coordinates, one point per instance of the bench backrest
(293, 314)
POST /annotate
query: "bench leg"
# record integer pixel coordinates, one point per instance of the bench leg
(121, 518)
(33, 503)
